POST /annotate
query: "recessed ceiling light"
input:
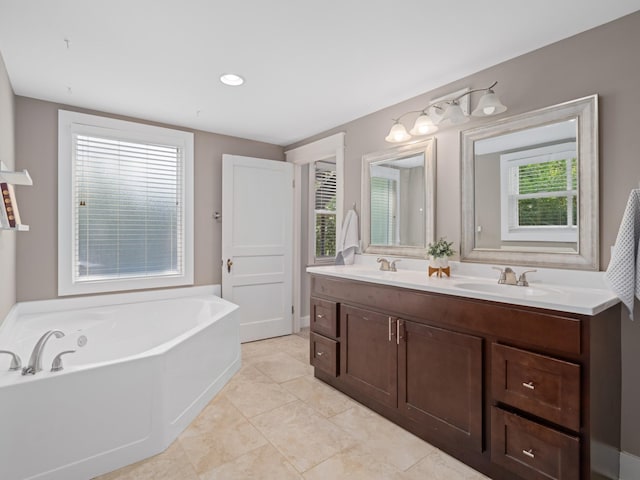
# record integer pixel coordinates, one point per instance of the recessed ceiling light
(232, 79)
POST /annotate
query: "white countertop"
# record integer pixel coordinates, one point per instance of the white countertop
(561, 290)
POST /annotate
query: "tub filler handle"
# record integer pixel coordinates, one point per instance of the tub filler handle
(35, 361)
(56, 365)
(16, 363)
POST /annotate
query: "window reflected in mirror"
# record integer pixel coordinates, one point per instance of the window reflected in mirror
(397, 202)
(531, 178)
(530, 188)
(398, 197)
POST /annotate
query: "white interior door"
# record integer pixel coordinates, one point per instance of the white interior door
(257, 243)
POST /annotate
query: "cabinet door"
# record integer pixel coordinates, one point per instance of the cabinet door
(440, 382)
(368, 353)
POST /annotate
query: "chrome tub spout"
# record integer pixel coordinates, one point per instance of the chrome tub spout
(35, 361)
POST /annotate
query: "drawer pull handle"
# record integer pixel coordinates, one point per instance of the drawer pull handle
(529, 385)
(320, 315)
(319, 354)
(529, 453)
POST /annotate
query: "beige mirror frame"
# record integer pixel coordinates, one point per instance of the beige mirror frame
(586, 257)
(426, 147)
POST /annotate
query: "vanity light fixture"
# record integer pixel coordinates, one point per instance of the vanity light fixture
(448, 112)
(231, 79)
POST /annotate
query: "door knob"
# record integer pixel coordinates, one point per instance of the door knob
(229, 263)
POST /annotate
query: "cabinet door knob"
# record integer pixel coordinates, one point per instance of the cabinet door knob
(529, 385)
(529, 453)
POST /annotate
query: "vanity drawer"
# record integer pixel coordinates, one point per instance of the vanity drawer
(324, 315)
(324, 354)
(544, 386)
(531, 450)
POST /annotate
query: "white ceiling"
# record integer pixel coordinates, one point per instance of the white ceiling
(309, 66)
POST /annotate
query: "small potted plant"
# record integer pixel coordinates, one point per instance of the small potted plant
(439, 253)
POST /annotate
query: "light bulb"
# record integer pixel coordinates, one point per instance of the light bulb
(423, 125)
(231, 79)
(398, 133)
(489, 110)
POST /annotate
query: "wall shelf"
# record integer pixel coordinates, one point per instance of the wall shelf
(17, 228)
(14, 178)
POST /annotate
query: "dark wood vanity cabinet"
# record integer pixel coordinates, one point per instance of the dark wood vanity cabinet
(440, 382)
(515, 392)
(368, 354)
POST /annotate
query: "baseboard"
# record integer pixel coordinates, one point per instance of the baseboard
(305, 321)
(629, 466)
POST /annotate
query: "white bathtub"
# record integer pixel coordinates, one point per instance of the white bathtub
(152, 361)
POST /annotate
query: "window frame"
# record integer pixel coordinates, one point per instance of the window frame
(72, 123)
(510, 230)
(313, 260)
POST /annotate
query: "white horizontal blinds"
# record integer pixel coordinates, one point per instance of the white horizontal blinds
(325, 210)
(384, 198)
(128, 208)
(385, 189)
(545, 191)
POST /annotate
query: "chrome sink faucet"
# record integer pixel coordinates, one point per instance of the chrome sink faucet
(35, 361)
(509, 277)
(386, 265)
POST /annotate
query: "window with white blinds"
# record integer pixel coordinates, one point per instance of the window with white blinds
(384, 202)
(540, 194)
(128, 209)
(324, 211)
(129, 205)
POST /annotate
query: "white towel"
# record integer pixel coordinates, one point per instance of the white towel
(623, 272)
(348, 242)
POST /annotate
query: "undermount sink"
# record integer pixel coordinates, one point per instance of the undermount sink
(507, 290)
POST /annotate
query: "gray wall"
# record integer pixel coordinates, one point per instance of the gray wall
(603, 60)
(37, 151)
(7, 155)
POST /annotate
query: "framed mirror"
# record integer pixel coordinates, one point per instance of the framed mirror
(529, 188)
(398, 200)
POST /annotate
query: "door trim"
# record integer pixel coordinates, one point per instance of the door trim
(328, 147)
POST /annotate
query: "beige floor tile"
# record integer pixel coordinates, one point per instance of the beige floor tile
(304, 333)
(219, 434)
(385, 440)
(172, 464)
(253, 393)
(321, 397)
(252, 350)
(440, 466)
(294, 345)
(281, 367)
(263, 463)
(303, 436)
(352, 464)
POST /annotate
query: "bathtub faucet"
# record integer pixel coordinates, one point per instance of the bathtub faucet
(35, 361)
(16, 363)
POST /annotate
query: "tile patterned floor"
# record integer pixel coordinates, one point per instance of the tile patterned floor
(274, 420)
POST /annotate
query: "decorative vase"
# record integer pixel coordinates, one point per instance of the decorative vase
(439, 265)
(439, 262)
